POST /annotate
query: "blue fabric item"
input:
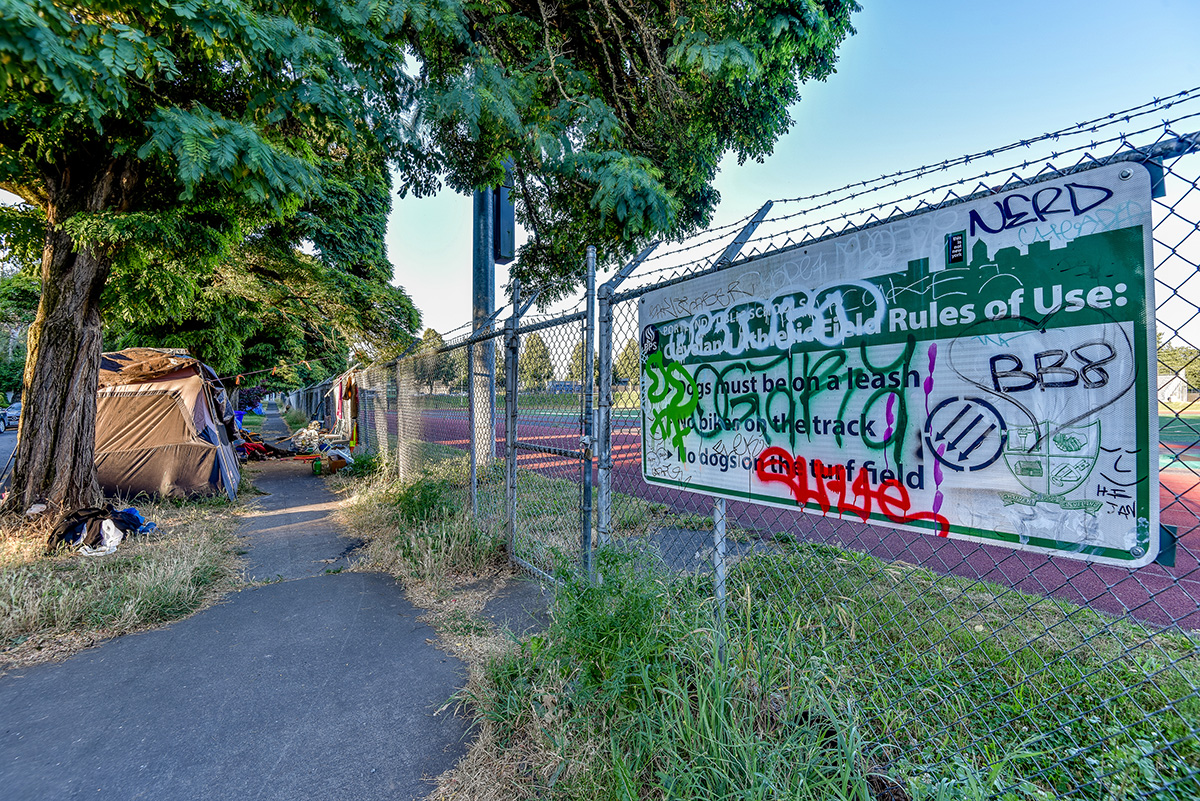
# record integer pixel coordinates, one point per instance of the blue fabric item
(258, 409)
(146, 526)
(133, 512)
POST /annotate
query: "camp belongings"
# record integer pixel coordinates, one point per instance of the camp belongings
(163, 426)
(97, 531)
(307, 439)
(254, 448)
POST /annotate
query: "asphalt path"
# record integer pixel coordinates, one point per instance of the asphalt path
(316, 685)
(1155, 594)
(8, 444)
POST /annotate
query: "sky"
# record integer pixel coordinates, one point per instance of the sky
(920, 82)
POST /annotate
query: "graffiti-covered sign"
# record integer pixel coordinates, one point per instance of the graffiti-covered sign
(982, 371)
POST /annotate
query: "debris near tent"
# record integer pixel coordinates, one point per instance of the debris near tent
(164, 427)
(98, 530)
(255, 449)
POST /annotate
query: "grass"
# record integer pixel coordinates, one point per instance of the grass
(622, 698)
(846, 676)
(295, 419)
(420, 530)
(548, 516)
(54, 603)
(1074, 702)
(253, 422)
(627, 399)
(367, 464)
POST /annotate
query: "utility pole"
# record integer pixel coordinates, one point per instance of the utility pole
(493, 240)
(483, 301)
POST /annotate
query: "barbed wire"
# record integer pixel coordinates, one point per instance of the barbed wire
(713, 241)
(1122, 138)
(1090, 126)
(914, 174)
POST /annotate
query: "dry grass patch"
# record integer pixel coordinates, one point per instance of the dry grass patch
(54, 604)
(523, 755)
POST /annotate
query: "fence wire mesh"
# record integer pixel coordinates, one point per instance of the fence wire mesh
(1082, 679)
(548, 431)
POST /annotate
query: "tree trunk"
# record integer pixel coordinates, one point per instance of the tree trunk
(56, 441)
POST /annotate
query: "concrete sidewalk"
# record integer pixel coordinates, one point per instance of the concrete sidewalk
(317, 686)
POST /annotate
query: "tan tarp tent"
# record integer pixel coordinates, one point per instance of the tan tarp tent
(163, 427)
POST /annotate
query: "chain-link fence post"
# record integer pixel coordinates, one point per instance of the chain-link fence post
(604, 416)
(589, 383)
(409, 418)
(512, 343)
(482, 361)
(403, 436)
(380, 382)
(719, 573)
(604, 322)
(472, 434)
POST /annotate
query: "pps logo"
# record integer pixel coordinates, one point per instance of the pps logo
(649, 341)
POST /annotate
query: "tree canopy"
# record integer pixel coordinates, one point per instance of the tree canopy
(534, 366)
(628, 364)
(180, 151)
(210, 172)
(431, 367)
(271, 304)
(575, 367)
(1180, 358)
(615, 116)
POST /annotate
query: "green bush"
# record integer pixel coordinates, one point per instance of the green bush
(295, 419)
(366, 465)
(426, 500)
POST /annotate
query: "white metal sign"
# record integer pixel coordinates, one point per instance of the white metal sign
(982, 372)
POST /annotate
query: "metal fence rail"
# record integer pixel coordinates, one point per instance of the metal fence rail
(1083, 679)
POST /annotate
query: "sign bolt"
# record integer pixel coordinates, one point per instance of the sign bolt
(1125, 174)
(1137, 551)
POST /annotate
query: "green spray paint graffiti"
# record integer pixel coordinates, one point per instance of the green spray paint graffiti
(672, 395)
(779, 397)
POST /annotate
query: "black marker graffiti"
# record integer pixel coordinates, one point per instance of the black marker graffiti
(1051, 370)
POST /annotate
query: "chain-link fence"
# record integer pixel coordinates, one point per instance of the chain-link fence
(443, 420)
(1080, 676)
(310, 400)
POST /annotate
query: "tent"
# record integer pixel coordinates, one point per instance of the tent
(163, 426)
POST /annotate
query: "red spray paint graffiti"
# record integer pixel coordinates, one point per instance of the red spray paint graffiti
(830, 484)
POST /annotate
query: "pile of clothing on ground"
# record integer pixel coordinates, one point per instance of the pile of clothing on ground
(98, 530)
